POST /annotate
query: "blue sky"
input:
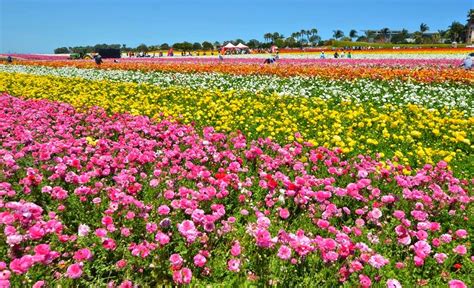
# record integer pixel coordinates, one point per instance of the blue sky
(28, 26)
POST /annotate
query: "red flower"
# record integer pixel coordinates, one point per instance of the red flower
(457, 266)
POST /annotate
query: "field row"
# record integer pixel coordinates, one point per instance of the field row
(429, 95)
(413, 134)
(340, 71)
(90, 198)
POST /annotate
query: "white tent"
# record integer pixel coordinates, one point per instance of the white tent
(242, 46)
(230, 46)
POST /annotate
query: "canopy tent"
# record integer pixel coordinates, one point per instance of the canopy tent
(230, 46)
(242, 46)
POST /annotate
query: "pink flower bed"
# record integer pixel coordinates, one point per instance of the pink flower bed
(120, 200)
(410, 63)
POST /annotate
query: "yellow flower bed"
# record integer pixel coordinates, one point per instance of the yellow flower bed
(413, 134)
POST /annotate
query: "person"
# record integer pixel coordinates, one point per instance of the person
(9, 59)
(467, 63)
(221, 58)
(277, 56)
(336, 55)
(342, 54)
(269, 61)
(322, 56)
(349, 56)
(98, 59)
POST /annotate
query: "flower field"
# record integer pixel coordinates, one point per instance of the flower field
(351, 173)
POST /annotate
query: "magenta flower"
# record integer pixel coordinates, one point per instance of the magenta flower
(74, 271)
(393, 283)
(199, 260)
(457, 284)
(284, 252)
(233, 265)
(378, 261)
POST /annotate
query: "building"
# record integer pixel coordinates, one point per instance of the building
(470, 30)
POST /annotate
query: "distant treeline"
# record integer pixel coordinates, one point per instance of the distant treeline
(456, 32)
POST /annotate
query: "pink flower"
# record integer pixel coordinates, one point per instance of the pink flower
(233, 265)
(460, 249)
(109, 244)
(393, 283)
(176, 260)
(375, 213)
(74, 271)
(121, 263)
(284, 213)
(456, 284)
(235, 250)
(183, 276)
(38, 284)
(364, 281)
(162, 238)
(378, 261)
(163, 210)
(440, 257)
(188, 230)
(461, 233)
(83, 255)
(445, 238)
(199, 260)
(21, 265)
(422, 249)
(284, 252)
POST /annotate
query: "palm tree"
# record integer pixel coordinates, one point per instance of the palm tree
(338, 34)
(353, 34)
(267, 36)
(302, 34)
(424, 27)
(385, 32)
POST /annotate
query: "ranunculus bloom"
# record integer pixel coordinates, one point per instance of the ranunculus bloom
(456, 284)
(176, 260)
(284, 252)
(233, 265)
(393, 283)
(460, 249)
(83, 255)
(199, 260)
(183, 276)
(74, 271)
(378, 261)
(284, 213)
(235, 250)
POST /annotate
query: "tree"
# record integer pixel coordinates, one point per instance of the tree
(338, 34)
(61, 50)
(424, 27)
(253, 43)
(197, 46)
(385, 33)
(207, 45)
(353, 34)
(142, 48)
(457, 31)
(314, 40)
(267, 37)
(401, 37)
(164, 46)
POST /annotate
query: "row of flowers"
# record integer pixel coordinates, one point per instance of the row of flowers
(413, 133)
(433, 95)
(338, 70)
(91, 199)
